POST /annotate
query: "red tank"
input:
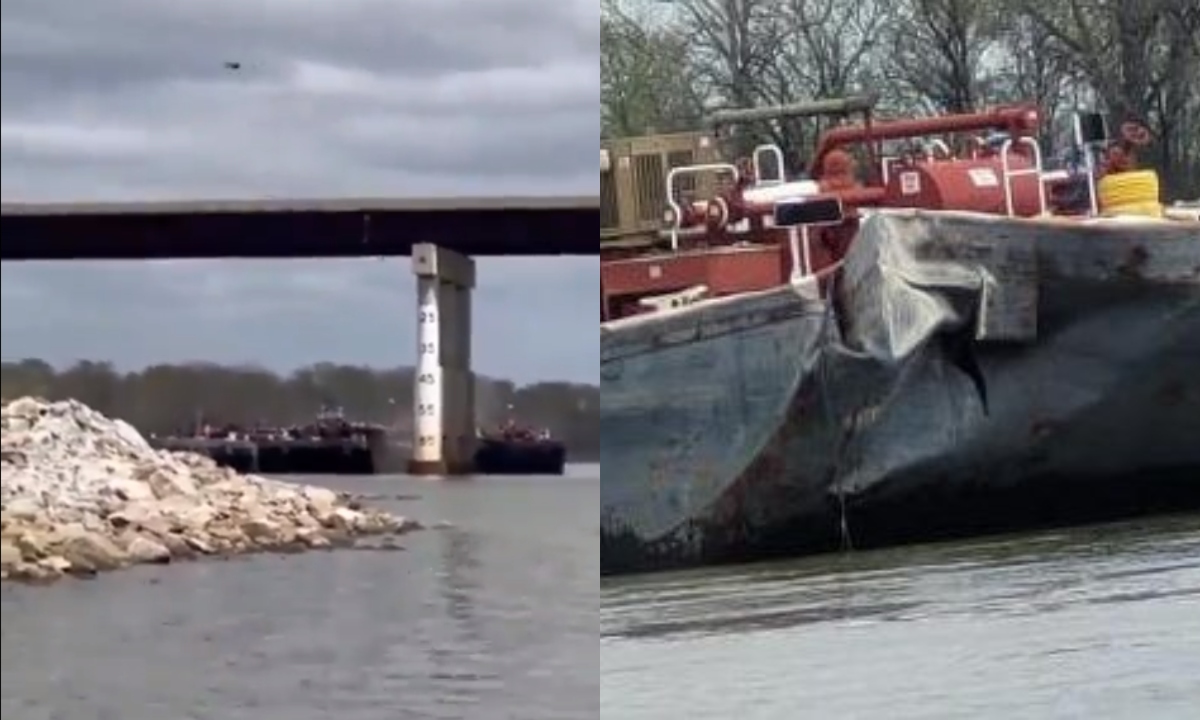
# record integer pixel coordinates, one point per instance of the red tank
(973, 184)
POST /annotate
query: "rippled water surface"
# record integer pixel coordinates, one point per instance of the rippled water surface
(1100, 622)
(494, 618)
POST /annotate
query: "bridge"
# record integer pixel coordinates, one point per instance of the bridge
(443, 236)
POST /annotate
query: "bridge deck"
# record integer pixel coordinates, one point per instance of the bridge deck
(350, 227)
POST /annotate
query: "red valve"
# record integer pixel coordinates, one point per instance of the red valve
(1135, 134)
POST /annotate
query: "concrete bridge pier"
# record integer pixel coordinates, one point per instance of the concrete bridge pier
(444, 385)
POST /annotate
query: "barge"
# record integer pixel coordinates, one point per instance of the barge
(330, 445)
(955, 341)
(517, 450)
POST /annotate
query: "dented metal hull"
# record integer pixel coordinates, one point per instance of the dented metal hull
(970, 374)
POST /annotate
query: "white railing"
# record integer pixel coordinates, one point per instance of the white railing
(684, 170)
(1008, 174)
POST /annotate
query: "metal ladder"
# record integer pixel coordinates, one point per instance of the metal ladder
(1008, 174)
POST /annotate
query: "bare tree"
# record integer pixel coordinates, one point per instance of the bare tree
(1141, 58)
(826, 48)
(938, 49)
(646, 77)
(1137, 60)
(734, 44)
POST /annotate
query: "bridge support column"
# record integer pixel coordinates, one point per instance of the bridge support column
(444, 385)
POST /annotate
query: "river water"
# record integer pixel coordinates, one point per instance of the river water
(1100, 622)
(494, 618)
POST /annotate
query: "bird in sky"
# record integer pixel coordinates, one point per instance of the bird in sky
(230, 65)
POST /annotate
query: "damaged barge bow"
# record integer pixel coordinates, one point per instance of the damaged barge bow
(962, 373)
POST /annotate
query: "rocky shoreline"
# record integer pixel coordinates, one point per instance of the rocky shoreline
(82, 493)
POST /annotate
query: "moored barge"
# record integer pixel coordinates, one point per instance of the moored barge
(518, 450)
(330, 445)
(958, 340)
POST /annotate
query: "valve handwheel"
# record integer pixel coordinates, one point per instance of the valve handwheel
(1135, 134)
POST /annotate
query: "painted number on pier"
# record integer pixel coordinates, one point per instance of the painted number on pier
(425, 378)
(426, 409)
(427, 348)
(426, 316)
(426, 441)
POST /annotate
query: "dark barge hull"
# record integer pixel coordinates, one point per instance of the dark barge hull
(970, 374)
(331, 457)
(517, 457)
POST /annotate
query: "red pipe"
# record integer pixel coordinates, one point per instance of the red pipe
(1020, 120)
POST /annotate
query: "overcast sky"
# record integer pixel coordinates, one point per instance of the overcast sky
(130, 100)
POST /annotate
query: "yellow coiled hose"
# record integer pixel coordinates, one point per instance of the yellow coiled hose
(1130, 193)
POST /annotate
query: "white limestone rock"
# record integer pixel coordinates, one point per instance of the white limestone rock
(82, 493)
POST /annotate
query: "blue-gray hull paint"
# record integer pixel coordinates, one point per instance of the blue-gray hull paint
(971, 374)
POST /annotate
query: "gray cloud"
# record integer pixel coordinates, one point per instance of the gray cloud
(130, 100)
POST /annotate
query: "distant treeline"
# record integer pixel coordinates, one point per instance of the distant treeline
(170, 398)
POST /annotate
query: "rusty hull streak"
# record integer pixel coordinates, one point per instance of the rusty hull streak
(726, 531)
(679, 335)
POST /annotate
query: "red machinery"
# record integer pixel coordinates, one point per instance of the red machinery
(988, 162)
(1000, 175)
